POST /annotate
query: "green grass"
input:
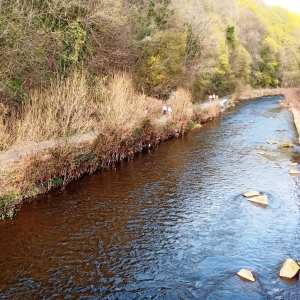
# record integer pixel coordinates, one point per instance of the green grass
(287, 144)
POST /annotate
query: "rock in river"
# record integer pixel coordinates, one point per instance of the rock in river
(251, 194)
(289, 269)
(246, 275)
(262, 152)
(293, 172)
(259, 199)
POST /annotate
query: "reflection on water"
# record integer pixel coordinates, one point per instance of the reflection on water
(172, 224)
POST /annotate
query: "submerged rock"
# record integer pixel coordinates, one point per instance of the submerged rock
(262, 152)
(258, 147)
(260, 200)
(293, 172)
(289, 269)
(197, 126)
(287, 145)
(275, 166)
(251, 194)
(246, 274)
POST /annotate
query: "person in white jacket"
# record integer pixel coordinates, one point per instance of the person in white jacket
(164, 110)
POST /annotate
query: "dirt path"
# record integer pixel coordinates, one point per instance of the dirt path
(16, 154)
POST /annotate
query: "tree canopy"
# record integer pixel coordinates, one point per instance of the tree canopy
(204, 46)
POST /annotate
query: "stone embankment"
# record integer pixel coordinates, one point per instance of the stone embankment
(296, 115)
(292, 101)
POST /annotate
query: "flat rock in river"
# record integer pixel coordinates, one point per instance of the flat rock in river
(260, 200)
(251, 194)
(289, 269)
(293, 172)
(246, 274)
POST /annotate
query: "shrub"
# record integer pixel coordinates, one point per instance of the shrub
(64, 109)
(181, 103)
(122, 109)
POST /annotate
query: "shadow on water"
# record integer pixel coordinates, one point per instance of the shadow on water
(172, 224)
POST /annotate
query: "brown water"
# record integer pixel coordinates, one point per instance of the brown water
(172, 224)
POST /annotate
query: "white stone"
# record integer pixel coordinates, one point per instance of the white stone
(294, 164)
(258, 147)
(251, 194)
(260, 200)
(289, 269)
(271, 142)
(262, 152)
(293, 172)
(246, 274)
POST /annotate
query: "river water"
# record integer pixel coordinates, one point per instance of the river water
(172, 224)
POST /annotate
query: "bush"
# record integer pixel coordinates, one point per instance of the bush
(161, 61)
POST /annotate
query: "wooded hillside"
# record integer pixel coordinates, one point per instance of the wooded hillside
(203, 46)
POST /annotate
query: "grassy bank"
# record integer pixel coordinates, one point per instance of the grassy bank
(123, 122)
(73, 129)
(291, 95)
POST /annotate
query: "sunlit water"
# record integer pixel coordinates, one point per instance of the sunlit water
(172, 224)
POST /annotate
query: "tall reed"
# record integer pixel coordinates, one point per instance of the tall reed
(64, 109)
(122, 109)
(181, 103)
(5, 136)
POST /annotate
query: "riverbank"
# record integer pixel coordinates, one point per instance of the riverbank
(38, 167)
(31, 170)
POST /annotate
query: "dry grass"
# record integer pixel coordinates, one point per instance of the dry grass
(292, 95)
(63, 110)
(208, 112)
(122, 109)
(70, 107)
(5, 136)
(252, 93)
(182, 106)
(292, 98)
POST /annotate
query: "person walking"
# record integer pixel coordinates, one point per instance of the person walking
(210, 97)
(164, 110)
(169, 111)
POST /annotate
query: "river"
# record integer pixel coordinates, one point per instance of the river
(171, 224)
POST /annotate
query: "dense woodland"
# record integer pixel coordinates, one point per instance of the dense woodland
(54, 47)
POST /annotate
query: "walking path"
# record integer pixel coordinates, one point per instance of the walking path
(16, 154)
